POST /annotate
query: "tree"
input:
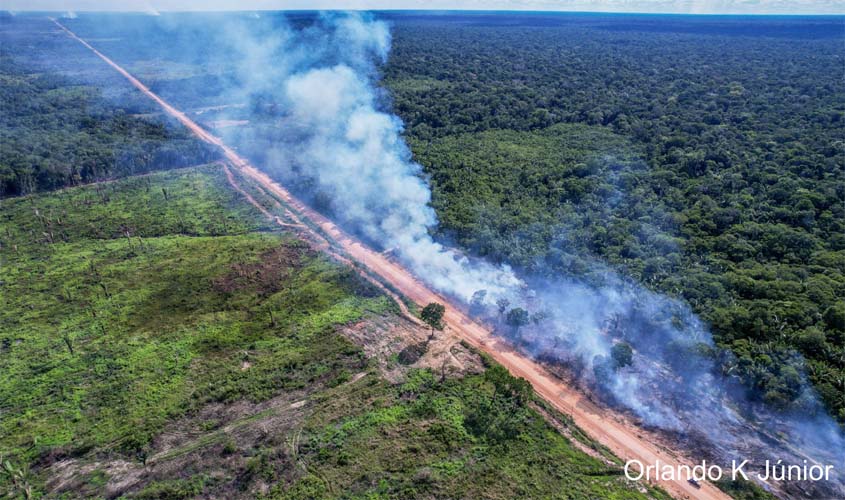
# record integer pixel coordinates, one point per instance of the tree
(433, 315)
(539, 316)
(812, 342)
(622, 355)
(476, 303)
(602, 370)
(834, 316)
(503, 304)
(517, 318)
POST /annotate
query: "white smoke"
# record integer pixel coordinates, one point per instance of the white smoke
(357, 154)
(353, 149)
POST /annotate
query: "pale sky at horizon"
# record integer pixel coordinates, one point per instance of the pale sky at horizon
(645, 6)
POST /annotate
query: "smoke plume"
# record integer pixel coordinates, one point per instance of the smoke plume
(338, 135)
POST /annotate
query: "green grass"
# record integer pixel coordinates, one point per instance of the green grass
(132, 307)
(744, 490)
(105, 338)
(460, 438)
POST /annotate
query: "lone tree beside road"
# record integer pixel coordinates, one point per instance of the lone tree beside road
(433, 315)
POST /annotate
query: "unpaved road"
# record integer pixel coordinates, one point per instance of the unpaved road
(599, 423)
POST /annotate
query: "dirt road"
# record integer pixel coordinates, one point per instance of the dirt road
(601, 424)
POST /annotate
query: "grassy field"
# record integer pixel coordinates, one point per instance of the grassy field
(159, 340)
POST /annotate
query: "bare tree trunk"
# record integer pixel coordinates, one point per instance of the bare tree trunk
(69, 343)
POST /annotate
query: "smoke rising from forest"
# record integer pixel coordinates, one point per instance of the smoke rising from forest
(336, 141)
(338, 136)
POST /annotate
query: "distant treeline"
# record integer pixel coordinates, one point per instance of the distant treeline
(709, 167)
(56, 133)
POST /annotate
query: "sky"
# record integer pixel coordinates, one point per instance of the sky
(649, 6)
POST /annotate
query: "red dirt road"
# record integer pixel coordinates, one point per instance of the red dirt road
(601, 424)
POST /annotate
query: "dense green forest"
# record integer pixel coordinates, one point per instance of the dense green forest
(56, 132)
(706, 163)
